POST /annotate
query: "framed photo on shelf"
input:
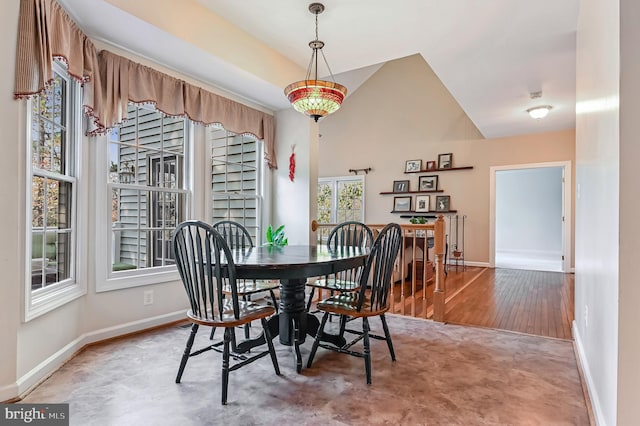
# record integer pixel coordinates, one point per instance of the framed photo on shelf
(413, 166)
(400, 186)
(428, 183)
(442, 203)
(445, 161)
(401, 204)
(422, 203)
(431, 165)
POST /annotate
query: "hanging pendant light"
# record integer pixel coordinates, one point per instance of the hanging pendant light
(313, 97)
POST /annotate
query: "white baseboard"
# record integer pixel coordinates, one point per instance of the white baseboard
(586, 371)
(8, 392)
(55, 361)
(467, 263)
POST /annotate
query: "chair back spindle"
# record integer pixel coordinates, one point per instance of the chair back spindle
(376, 277)
(205, 264)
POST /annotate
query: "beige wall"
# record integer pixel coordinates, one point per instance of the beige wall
(629, 296)
(414, 117)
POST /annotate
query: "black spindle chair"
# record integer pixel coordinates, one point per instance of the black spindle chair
(346, 234)
(371, 300)
(238, 237)
(206, 267)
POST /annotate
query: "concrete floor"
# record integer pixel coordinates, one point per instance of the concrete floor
(444, 375)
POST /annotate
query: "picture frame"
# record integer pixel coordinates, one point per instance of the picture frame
(431, 165)
(402, 204)
(400, 186)
(428, 183)
(443, 203)
(412, 166)
(422, 203)
(445, 161)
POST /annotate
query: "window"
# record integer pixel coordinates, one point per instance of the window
(236, 183)
(340, 199)
(147, 172)
(53, 163)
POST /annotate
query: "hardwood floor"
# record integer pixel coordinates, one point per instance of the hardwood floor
(532, 302)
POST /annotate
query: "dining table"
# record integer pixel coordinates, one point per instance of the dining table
(293, 265)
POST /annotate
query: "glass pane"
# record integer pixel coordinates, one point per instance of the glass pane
(58, 101)
(349, 201)
(58, 202)
(325, 202)
(38, 196)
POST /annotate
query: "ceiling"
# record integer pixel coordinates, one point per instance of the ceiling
(490, 54)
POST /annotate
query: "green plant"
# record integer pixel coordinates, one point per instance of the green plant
(276, 238)
(418, 220)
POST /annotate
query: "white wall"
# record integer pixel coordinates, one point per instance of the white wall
(597, 201)
(12, 193)
(294, 203)
(529, 211)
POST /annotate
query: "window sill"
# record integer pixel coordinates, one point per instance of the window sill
(130, 278)
(40, 303)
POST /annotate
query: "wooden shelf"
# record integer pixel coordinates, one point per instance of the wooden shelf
(411, 192)
(426, 214)
(441, 170)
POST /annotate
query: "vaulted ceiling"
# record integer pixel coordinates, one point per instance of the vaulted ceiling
(489, 54)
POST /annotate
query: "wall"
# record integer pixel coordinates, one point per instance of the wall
(410, 115)
(294, 203)
(597, 202)
(11, 172)
(529, 212)
(629, 295)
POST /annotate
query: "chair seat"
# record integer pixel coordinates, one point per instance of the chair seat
(248, 312)
(250, 287)
(347, 304)
(335, 285)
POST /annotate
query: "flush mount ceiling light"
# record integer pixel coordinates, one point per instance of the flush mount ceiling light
(313, 97)
(541, 111)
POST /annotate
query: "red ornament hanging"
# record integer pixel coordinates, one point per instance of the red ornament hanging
(292, 164)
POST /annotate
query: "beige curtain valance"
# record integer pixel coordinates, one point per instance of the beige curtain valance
(45, 32)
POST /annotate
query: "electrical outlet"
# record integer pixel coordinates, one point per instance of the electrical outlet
(586, 316)
(148, 297)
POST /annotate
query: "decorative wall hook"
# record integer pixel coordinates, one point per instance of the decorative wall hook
(355, 171)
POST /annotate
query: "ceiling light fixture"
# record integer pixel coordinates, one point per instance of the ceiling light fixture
(541, 111)
(313, 97)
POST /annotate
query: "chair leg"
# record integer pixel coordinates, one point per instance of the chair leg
(343, 325)
(387, 336)
(275, 301)
(296, 344)
(225, 364)
(272, 351)
(313, 290)
(316, 342)
(187, 351)
(367, 349)
(246, 298)
(213, 331)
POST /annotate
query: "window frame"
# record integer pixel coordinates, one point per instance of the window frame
(106, 278)
(335, 181)
(40, 301)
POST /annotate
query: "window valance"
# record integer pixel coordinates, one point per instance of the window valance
(46, 32)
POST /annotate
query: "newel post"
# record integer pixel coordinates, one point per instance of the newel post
(439, 246)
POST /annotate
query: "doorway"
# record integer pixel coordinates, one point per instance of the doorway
(530, 217)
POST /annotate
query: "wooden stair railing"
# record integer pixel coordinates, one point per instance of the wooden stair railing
(409, 296)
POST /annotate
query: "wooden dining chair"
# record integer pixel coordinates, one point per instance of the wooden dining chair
(206, 268)
(238, 237)
(346, 234)
(370, 300)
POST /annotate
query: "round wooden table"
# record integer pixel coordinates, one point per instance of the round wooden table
(293, 265)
